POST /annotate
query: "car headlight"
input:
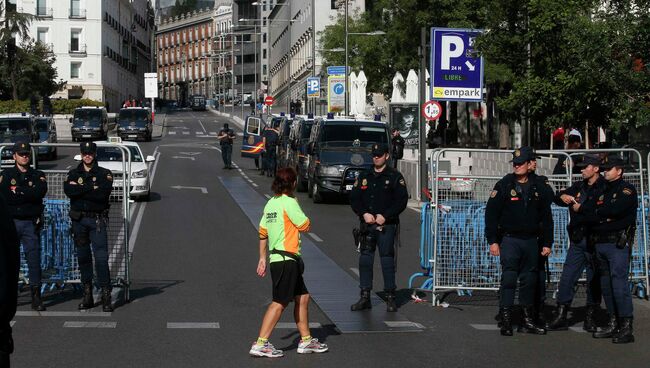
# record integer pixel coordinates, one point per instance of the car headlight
(143, 129)
(140, 174)
(329, 171)
(97, 129)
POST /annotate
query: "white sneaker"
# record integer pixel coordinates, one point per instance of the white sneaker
(311, 346)
(266, 350)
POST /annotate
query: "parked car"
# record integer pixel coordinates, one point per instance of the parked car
(89, 123)
(15, 128)
(46, 130)
(135, 123)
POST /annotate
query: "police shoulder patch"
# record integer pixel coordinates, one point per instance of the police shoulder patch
(109, 177)
(402, 182)
(627, 191)
(494, 193)
(356, 183)
(513, 193)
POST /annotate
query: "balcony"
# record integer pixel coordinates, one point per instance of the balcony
(77, 49)
(43, 12)
(77, 13)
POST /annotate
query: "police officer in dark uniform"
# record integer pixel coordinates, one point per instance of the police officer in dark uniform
(579, 256)
(398, 146)
(517, 207)
(24, 188)
(378, 196)
(9, 268)
(226, 137)
(270, 139)
(613, 237)
(89, 187)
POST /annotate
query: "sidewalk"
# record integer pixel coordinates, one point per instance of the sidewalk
(236, 119)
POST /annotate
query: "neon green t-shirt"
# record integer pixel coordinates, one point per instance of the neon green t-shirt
(282, 222)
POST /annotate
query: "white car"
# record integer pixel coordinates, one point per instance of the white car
(109, 156)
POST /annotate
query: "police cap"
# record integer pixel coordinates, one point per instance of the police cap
(589, 160)
(523, 154)
(612, 161)
(379, 149)
(22, 147)
(88, 147)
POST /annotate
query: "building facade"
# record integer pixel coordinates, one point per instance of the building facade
(184, 55)
(102, 47)
(223, 57)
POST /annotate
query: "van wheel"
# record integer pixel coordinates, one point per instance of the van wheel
(309, 193)
(302, 186)
(316, 195)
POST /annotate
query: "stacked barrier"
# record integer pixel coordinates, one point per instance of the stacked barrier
(454, 253)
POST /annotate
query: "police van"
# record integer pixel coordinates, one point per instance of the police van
(135, 123)
(89, 123)
(254, 125)
(297, 152)
(339, 149)
(16, 128)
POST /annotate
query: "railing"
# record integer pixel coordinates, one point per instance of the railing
(80, 49)
(43, 12)
(77, 13)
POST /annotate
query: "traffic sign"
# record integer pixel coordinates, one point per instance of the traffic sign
(269, 100)
(456, 67)
(431, 110)
(336, 70)
(335, 93)
(313, 87)
(150, 85)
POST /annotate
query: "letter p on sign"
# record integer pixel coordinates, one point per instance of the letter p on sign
(451, 47)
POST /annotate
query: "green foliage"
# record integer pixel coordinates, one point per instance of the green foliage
(14, 106)
(58, 106)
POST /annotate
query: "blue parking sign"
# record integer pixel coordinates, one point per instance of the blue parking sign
(313, 87)
(456, 67)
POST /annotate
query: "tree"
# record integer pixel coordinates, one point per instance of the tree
(15, 24)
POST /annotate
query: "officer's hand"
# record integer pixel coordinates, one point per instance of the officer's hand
(494, 249)
(95, 187)
(576, 207)
(380, 220)
(72, 182)
(567, 199)
(261, 267)
(368, 218)
(546, 251)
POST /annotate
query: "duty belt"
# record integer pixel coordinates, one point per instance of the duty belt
(605, 238)
(523, 236)
(94, 214)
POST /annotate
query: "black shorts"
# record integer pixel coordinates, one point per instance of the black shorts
(287, 281)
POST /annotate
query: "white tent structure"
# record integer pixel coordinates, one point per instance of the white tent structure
(427, 94)
(352, 82)
(362, 82)
(412, 87)
(397, 91)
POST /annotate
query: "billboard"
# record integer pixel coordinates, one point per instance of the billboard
(404, 117)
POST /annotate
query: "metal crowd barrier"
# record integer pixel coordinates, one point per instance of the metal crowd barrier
(58, 259)
(454, 254)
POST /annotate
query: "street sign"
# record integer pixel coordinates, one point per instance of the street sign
(313, 87)
(335, 93)
(150, 85)
(336, 70)
(456, 67)
(431, 110)
(269, 100)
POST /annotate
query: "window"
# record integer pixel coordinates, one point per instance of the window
(264, 37)
(75, 8)
(75, 34)
(41, 7)
(75, 69)
(41, 35)
(263, 53)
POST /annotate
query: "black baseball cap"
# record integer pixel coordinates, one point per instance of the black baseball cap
(612, 161)
(88, 147)
(379, 149)
(589, 160)
(22, 147)
(523, 154)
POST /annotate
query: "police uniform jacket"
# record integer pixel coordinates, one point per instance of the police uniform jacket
(382, 193)
(93, 188)
(586, 195)
(228, 140)
(615, 208)
(9, 265)
(23, 192)
(398, 147)
(510, 211)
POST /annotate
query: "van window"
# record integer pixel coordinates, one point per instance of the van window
(253, 126)
(91, 115)
(344, 135)
(138, 116)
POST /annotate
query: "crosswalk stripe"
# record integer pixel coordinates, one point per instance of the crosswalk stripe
(62, 314)
(484, 327)
(12, 323)
(171, 133)
(84, 324)
(193, 325)
(186, 133)
(289, 325)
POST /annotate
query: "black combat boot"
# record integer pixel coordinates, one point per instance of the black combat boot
(624, 334)
(608, 331)
(505, 321)
(363, 303)
(391, 306)
(37, 303)
(540, 319)
(559, 322)
(106, 300)
(87, 302)
(590, 323)
(528, 322)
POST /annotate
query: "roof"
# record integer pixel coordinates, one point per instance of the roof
(124, 143)
(16, 115)
(90, 107)
(349, 120)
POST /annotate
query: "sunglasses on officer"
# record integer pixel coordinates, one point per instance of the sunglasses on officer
(22, 154)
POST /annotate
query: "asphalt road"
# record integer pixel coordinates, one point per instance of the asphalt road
(197, 302)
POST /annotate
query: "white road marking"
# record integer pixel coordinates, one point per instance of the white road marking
(190, 153)
(171, 133)
(315, 237)
(293, 325)
(204, 190)
(82, 324)
(69, 166)
(200, 134)
(188, 158)
(577, 329)
(484, 327)
(62, 314)
(193, 325)
(402, 324)
(355, 271)
(418, 210)
(138, 219)
(12, 323)
(212, 133)
(186, 133)
(201, 124)
(255, 185)
(267, 196)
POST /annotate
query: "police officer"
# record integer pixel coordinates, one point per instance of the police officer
(582, 195)
(613, 237)
(24, 188)
(226, 138)
(9, 268)
(398, 146)
(89, 187)
(516, 208)
(378, 196)
(270, 141)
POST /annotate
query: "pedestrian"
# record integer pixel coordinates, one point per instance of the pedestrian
(252, 105)
(579, 256)
(282, 222)
(270, 141)
(516, 208)
(23, 189)
(574, 143)
(398, 146)
(89, 187)
(9, 269)
(226, 138)
(612, 235)
(378, 197)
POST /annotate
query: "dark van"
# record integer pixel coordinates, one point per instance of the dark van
(297, 158)
(15, 128)
(89, 123)
(339, 149)
(134, 123)
(46, 130)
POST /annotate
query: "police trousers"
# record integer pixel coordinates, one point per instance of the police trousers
(579, 258)
(31, 247)
(519, 262)
(226, 154)
(386, 249)
(613, 268)
(270, 157)
(92, 232)
(6, 343)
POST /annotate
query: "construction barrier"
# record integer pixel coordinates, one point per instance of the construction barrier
(454, 254)
(58, 260)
